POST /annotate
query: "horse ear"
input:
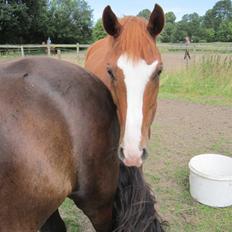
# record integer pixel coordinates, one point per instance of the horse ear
(110, 22)
(156, 21)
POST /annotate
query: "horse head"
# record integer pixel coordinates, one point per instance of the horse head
(133, 67)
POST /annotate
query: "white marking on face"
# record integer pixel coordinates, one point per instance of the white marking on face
(137, 75)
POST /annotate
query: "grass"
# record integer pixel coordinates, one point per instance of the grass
(168, 175)
(70, 215)
(206, 81)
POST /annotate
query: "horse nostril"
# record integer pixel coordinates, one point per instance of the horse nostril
(121, 153)
(145, 154)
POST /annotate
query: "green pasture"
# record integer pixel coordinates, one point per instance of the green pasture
(207, 81)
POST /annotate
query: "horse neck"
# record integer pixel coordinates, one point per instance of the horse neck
(97, 59)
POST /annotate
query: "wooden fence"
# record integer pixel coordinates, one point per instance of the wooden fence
(198, 47)
(48, 48)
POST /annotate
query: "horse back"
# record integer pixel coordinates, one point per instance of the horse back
(53, 117)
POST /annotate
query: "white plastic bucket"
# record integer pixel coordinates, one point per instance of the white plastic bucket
(211, 179)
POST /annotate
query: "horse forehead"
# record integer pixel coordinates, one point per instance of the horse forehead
(138, 71)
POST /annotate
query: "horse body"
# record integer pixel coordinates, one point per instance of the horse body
(58, 137)
(129, 63)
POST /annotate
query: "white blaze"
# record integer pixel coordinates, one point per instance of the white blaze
(136, 74)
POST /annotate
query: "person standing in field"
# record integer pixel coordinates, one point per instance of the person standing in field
(187, 43)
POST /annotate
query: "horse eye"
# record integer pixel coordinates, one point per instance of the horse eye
(156, 75)
(159, 72)
(111, 74)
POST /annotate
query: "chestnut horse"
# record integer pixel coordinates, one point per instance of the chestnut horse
(129, 64)
(59, 137)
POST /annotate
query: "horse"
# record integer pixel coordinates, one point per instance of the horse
(59, 137)
(129, 63)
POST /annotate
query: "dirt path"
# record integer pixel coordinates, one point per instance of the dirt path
(185, 127)
(181, 130)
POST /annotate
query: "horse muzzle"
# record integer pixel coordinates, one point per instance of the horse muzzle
(132, 160)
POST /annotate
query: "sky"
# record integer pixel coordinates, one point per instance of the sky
(132, 7)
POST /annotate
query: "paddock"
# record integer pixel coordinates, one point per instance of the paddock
(183, 128)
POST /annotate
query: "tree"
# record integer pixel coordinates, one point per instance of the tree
(170, 17)
(14, 22)
(70, 21)
(99, 31)
(217, 19)
(209, 34)
(169, 28)
(145, 14)
(208, 20)
(179, 33)
(224, 33)
(38, 15)
(190, 25)
(33, 21)
(222, 11)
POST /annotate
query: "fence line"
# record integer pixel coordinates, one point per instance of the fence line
(48, 47)
(210, 47)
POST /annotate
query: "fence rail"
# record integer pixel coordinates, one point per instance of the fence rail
(198, 47)
(47, 47)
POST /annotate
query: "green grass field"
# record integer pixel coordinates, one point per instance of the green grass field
(207, 81)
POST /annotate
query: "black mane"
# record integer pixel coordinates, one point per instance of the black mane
(134, 205)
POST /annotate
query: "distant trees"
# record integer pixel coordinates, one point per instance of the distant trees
(11, 16)
(33, 21)
(144, 13)
(215, 25)
(218, 22)
(170, 27)
(98, 30)
(70, 21)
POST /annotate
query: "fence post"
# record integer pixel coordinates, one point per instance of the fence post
(59, 54)
(22, 51)
(78, 49)
(49, 49)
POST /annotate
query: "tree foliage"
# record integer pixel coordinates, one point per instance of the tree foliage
(33, 21)
(170, 27)
(99, 31)
(70, 21)
(144, 13)
(215, 25)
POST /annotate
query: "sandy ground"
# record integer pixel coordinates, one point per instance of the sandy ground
(180, 131)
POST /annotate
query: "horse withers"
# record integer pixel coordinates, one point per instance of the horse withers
(59, 137)
(129, 63)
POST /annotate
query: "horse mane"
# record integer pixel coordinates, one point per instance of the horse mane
(134, 205)
(134, 39)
